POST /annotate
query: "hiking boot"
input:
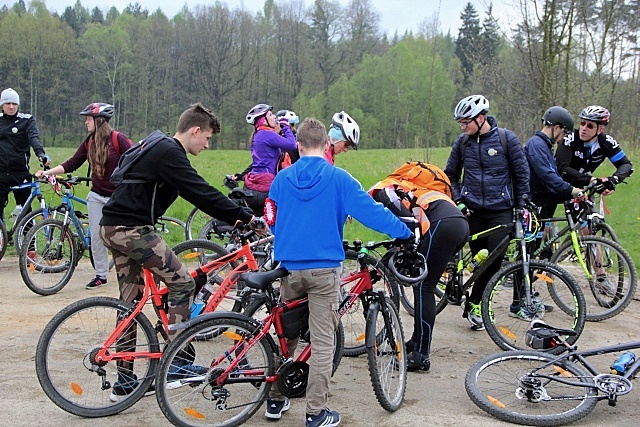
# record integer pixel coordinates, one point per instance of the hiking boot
(517, 312)
(179, 371)
(475, 316)
(604, 286)
(325, 418)
(122, 389)
(409, 346)
(275, 408)
(418, 362)
(96, 282)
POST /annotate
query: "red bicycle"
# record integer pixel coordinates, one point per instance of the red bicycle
(98, 356)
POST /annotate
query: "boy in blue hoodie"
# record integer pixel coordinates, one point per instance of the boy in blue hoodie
(309, 202)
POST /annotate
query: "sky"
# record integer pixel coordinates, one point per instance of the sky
(396, 15)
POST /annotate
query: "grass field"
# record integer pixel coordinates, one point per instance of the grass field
(369, 166)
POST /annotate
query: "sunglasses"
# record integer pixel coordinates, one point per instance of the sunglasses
(588, 125)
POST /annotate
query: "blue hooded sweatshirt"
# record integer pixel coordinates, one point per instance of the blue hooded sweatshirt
(313, 200)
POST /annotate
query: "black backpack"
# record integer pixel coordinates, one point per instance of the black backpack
(130, 157)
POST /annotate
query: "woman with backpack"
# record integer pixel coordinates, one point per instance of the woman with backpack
(102, 148)
(422, 191)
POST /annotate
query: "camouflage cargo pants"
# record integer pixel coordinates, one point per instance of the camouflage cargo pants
(135, 248)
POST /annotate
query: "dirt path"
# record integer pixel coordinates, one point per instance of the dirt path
(436, 397)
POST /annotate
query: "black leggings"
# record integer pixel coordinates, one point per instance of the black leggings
(443, 239)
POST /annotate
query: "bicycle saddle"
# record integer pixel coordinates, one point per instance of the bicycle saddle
(240, 193)
(261, 280)
(537, 325)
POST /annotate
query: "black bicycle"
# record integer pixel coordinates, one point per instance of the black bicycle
(538, 389)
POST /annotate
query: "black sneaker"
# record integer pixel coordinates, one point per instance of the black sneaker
(325, 418)
(275, 408)
(96, 283)
(418, 362)
(120, 391)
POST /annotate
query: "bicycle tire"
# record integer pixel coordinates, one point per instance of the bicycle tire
(195, 222)
(202, 402)
(494, 382)
(171, 229)
(3, 239)
(64, 348)
(609, 296)
(439, 294)
(551, 286)
(48, 257)
(31, 218)
(387, 367)
(354, 320)
(602, 229)
(257, 309)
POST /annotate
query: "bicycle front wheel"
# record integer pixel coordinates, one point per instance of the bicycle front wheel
(610, 279)
(354, 319)
(507, 313)
(189, 385)
(48, 257)
(386, 354)
(66, 367)
(524, 387)
(3, 239)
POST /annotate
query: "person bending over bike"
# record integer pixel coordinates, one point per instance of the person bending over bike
(444, 231)
(102, 149)
(307, 207)
(266, 146)
(587, 147)
(495, 180)
(147, 190)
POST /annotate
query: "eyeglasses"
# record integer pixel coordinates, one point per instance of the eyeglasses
(588, 125)
(464, 123)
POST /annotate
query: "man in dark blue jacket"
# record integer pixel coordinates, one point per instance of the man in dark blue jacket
(547, 187)
(495, 180)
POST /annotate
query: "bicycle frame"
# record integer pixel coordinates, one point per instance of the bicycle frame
(152, 292)
(36, 193)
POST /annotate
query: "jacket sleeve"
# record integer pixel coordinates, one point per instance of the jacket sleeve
(453, 170)
(540, 160)
(564, 155)
(34, 137)
(286, 142)
(77, 160)
(623, 165)
(519, 168)
(179, 174)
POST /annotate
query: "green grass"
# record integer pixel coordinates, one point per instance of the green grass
(369, 166)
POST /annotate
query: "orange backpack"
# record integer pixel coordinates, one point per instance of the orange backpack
(417, 176)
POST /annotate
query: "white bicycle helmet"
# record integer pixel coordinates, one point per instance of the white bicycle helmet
(348, 127)
(257, 111)
(470, 107)
(596, 113)
(291, 117)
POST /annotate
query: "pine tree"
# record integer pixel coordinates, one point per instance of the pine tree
(468, 44)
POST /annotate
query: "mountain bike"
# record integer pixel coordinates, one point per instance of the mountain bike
(536, 288)
(90, 344)
(538, 389)
(244, 361)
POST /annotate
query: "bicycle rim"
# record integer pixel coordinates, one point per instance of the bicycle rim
(195, 222)
(63, 357)
(504, 385)
(613, 281)
(48, 257)
(557, 300)
(386, 355)
(197, 400)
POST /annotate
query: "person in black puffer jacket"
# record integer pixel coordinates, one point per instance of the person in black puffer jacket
(495, 180)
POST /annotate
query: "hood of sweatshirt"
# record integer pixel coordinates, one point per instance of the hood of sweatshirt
(308, 177)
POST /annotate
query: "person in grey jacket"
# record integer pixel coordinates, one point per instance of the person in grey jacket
(495, 180)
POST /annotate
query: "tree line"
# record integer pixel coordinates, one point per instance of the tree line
(318, 60)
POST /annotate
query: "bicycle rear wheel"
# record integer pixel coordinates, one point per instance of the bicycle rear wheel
(48, 257)
(188, 397)
(354, 319)
(556, 299)
(520, 387)
(171, 229)
(613, 281)
(3, 239)
(386, 354)
(69, 374)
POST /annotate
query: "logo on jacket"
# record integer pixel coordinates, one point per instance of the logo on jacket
(14, 130)
(492, 152)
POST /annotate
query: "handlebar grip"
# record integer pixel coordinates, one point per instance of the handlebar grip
(409, 263)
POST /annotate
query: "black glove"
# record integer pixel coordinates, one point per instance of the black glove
(599, 185)
(464, 209)
(612, 182)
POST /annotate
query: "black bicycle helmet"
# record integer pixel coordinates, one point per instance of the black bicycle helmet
(596, 113)
(558, 115)
(98, 109)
